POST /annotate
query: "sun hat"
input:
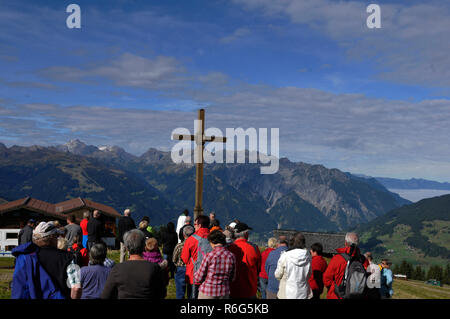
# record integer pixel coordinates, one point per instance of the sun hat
(45, 229)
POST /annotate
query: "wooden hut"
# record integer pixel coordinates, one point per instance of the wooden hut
(329, 241)
(15, 214)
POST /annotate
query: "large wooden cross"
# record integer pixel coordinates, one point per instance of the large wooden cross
(200, 140)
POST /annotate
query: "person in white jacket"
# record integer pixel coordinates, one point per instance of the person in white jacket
(181, 222)
(294, 269)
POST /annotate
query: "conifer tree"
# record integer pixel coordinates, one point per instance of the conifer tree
(446, 275)
(418, 273)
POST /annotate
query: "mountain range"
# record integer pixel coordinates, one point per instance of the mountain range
(300, 196)
(413, 189)
(412, 183)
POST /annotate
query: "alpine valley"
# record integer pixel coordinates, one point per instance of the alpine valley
(418, 233)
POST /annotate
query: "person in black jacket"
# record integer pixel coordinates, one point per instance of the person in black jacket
(135, 278)
(125, 224)
(96, 229)
(169, 240)
(26, 233)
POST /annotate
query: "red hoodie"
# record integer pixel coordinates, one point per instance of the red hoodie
(318, 267)
(336, 269)
(189, 252)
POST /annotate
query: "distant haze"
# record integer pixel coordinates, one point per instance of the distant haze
(416, 195)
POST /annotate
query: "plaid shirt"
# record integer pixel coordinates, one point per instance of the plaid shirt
(217, 270)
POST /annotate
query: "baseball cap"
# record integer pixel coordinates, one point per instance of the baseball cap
(45, 229)
(240, 227)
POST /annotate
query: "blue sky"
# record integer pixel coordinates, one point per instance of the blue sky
(370, 101)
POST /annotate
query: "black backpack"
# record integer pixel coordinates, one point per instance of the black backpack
(353, 283)
(78, 258)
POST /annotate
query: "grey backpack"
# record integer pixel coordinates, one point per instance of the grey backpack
(353, 283)
(203, 247)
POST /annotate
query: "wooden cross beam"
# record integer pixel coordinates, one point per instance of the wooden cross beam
(200, 140)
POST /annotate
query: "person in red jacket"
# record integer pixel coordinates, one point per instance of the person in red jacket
(263, 277)
(318, 267)
(336, 268)
(248, 264)
(83, 225)
(189, 252)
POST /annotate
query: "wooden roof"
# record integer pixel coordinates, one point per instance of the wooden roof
(41, 206)
(58, 210)
(69, 205)
(14, 204)
(329, 241)
(101, 207)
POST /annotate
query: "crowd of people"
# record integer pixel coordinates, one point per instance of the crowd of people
(205, 260)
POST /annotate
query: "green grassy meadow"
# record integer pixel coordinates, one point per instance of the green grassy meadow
(413, 289)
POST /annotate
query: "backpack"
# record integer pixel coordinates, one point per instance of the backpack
(353, 283)
(77, 254)
(374, 276)
(203, 247)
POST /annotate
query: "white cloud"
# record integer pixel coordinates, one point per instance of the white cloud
(351, 132)
(410, 48)
(237, 34)
(135, 71)
(126, 70)
(163, 74)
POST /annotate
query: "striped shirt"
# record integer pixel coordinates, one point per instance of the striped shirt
(217, 270)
